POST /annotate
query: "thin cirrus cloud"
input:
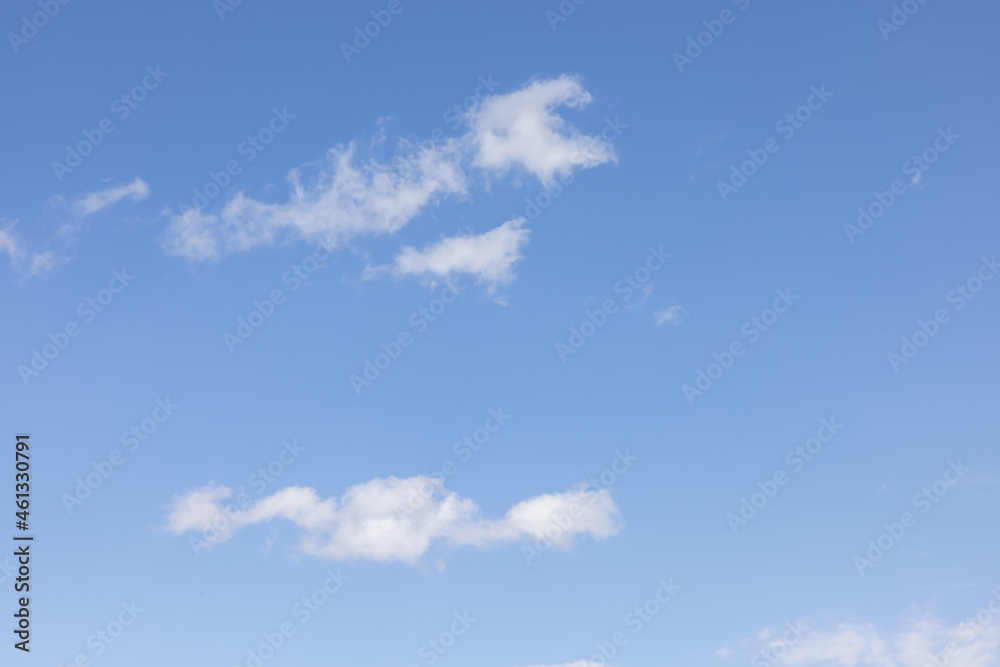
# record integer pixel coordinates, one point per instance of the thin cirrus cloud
(352, 193)
(395, 520)
(30, 262)
(95, 202)
(24, 262)
(918, 643)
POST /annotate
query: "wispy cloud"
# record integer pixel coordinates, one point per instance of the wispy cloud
(355, 193)
(391, 519)
(26, 263)
(345, 197)
(647, 291)
(31, 262)
(919, 642)
(95, 202)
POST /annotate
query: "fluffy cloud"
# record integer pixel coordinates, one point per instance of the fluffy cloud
(489, 257)
(356, 194)
(521, 129)
(920, 642)
(391, 519)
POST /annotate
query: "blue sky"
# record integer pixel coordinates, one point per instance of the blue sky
(537, 333)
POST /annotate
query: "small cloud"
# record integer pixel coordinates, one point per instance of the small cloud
(26, 263)
(724, 653)
(30, 263)
(855, 644)
(647, 290)
(489, 257)
(355, 192)
(671, 315)
(95, 202)
(9, 242)
(41, 262)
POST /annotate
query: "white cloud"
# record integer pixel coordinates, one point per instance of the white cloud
(9, 242)
(98, 201)
(41, 262)
(355, 195)
(489, 257)
(582, 663)
(347, 198)
(391, 519)
(856, 644)
(191, 235)
(520, 129)
(672, 315)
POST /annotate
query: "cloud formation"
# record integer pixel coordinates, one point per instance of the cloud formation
(920, 642)
(392, 519)
(345, 197)
(489, 257)
(521, 129)
(354, 193)
(95, 202)
(26, 263)
(30, 263)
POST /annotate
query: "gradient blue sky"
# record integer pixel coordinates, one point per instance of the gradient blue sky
(495, 346)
